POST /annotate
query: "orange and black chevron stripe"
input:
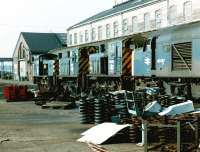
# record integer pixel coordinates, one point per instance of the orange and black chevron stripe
(83, 65)
(56, 67)
(126, 62)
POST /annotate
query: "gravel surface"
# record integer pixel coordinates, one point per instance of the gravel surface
(25, 127)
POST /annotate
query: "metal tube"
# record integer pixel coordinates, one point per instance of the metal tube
(145, 135)
(197, 132)
(178, 136)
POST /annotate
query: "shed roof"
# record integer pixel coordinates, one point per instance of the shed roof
(40, 43)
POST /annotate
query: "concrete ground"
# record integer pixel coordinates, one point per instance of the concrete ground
(25, 127)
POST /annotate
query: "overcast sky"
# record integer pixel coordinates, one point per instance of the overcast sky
(42, 16)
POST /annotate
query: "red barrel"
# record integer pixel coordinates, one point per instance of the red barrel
(22, 92)
(9, 93)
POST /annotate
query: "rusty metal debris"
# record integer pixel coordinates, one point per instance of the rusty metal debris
(97, 148)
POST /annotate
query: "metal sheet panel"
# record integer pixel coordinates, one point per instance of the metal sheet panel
(186, 33)
(141, 64)
(196, 57)
(163, 59)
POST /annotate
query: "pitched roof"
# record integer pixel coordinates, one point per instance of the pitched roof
(40, 43)
(116, 9)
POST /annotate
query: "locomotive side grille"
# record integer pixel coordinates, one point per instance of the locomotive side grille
(182, 56)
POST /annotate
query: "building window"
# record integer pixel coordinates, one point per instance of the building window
(125, 26)
(70, 39)
(81, 37)
(187, 10)
(158, 18)
(75, 38)
(108, 31)
(134, 24)
(146, 21)
(172, 14)
(21, 53)
(93, 34)
(100, 30)
(115, 28)
(86, 36)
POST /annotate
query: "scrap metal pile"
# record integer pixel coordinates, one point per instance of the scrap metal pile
(59, 96)
(165, 138)
(147, 105)
(102, 108)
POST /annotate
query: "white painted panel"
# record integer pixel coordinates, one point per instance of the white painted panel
(101, 133)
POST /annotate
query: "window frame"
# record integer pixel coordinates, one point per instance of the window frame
(185, 14)
(81, 37)
(86, 35)
(125, 26)
(93, 34)
(158, 20)
(115, 28)
(100, 32)
(147, 23)
(108, 31)
(70, 39)
(172, 14)
(134, 23)
(75, 38)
